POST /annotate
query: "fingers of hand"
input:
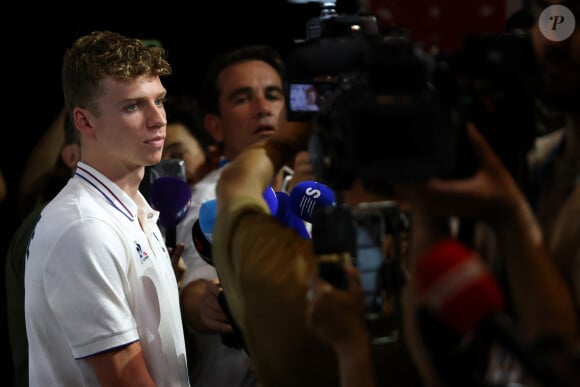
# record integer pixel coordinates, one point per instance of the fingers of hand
(175, 253)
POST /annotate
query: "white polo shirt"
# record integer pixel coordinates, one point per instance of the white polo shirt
(98, 276)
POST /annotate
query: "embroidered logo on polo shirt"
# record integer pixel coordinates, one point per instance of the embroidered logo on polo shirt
(143, 256)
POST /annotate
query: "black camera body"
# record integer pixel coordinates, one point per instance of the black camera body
(391, 112)
(385, 120)
(334, 43)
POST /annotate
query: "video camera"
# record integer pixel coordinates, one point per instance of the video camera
(334, 42)
(390, 112)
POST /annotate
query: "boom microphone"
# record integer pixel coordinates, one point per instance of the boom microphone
(462, 295)
(309, 194)
(171, 196)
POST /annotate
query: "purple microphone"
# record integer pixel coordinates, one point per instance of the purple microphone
(171, 196)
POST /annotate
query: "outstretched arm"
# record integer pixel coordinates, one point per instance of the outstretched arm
(338, 317)
(541, 299)
(253, 170)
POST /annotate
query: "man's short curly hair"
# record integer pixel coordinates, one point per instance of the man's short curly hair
(102, 54)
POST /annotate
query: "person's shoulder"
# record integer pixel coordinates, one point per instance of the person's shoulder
(90, 212)
(16, 252)
(74, 200)
(212, 177)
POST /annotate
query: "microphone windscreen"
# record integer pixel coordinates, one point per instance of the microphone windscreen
(309, 194)
(457, 285)
(202, 245)
(208, 212)
(202, 230)
(206, 218)
(171, 196)
(269, 196)
(288, 218)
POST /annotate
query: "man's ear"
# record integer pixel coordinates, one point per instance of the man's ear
(212, 124)
(82, 120)
(213, 154)
(70, 155)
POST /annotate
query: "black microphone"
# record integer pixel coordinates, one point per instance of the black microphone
(202, 230)
(202, 235)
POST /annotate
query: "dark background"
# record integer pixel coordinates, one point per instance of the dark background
(191, 33)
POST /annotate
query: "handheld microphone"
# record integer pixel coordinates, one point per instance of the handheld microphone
(206, 218)
(202, 230)
(271, 199)
(171, 196)
(461, 294)
(452, 277)
(202, 235)
(309, 194)
(288, 218)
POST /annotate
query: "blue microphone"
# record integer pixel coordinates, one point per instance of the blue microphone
(271, 199)
(202, 230)
(207, 215)
(171, 196)
(288, 218)
(309, 194)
